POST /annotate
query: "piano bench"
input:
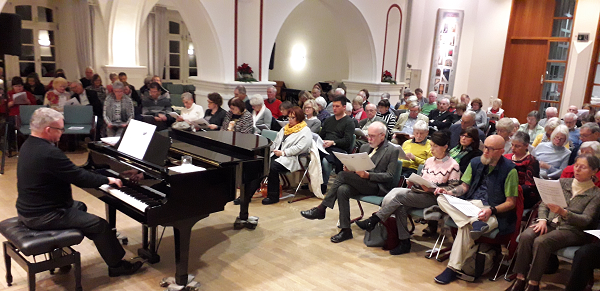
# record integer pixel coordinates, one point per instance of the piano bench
(22, 241)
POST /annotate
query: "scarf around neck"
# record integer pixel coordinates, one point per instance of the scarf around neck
(287, 130)
(256, 116)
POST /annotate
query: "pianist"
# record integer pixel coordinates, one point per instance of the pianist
(45, 201)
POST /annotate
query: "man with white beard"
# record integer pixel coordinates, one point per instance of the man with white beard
(491, 183)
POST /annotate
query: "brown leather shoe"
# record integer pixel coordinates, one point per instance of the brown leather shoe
(517, 285)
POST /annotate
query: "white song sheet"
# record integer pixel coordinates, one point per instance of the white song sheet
(594, 232)
(20, 98)
(136, 139)
(355, 162)
(464, 206)
(551, 192)
(416, 179)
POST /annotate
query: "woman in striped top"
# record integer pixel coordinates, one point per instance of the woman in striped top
(383, 111)
(441, 170)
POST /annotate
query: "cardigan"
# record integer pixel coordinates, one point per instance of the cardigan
(193, 113)
(293, 145)
(582, 210)
(118, 113)
(217, 118)
(404, 117)
(314, 124)
(533, 134)
(422, 152)
(441, 172)
(480, 119)
(556, 157)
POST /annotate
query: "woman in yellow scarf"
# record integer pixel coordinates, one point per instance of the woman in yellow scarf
(292, 140)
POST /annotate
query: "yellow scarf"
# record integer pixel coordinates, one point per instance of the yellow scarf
(287, 130)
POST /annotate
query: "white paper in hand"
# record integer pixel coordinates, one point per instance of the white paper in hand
(355, 162)
(594, 232)
(551, 192)
(416, 179)
(20, 98)
(174, 114)
(464, 206)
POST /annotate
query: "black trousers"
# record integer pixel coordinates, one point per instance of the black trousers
(92, 226)
(273, 183)
(332, 159)
(582, 269)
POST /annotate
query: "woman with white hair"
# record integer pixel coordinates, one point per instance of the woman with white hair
(310, 110)
(549, 127)
(553, 156)
(496, 110)
(358, 111)
(349, 113)
(190, 113)
(321, 104)
(261, 115)
(417, 150)
(586, 148)
(57, 97)
(118, 110)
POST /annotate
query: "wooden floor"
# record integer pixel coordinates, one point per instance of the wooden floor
(285, 252)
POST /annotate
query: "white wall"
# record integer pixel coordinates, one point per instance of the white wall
(312, 25)
(481, 52)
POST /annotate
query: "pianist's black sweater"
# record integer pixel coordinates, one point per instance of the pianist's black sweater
(44, 178)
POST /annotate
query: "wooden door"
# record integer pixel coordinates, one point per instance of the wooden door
(521, 86)
(535, 57)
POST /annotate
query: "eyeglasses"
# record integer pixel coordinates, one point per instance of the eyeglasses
(57, 128)
(487, 148)
(465, 136)
(372, 136)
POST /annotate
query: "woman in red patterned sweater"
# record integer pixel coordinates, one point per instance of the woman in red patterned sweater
(527, 168)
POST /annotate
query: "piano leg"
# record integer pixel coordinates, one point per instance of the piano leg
(148, 251)
(182, 233)
(111, 216)
(248, 186)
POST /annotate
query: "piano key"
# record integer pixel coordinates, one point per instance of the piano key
(127, 198)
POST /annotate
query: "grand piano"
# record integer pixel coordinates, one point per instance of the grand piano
(155, 195)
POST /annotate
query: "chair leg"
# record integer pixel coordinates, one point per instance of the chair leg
(362, 213)
(31, 280)
(297, 188)
(412, 224)
(77, 271)
(7, 262)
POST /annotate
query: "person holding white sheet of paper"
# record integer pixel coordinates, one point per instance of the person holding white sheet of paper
(440, 169)
(558, 227)
(13, 108)
(349, 184)
(491, 183)
(417, 149)
(190, 113)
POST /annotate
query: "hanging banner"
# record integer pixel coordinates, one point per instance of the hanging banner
(445, 51)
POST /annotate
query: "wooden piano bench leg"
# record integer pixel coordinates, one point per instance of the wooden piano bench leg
(7, 262)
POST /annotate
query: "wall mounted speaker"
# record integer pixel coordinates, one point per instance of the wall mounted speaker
(10, 34)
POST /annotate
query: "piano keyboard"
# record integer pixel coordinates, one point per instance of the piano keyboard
(130, 196)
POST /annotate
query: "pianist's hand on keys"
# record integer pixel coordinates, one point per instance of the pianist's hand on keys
(115, 181)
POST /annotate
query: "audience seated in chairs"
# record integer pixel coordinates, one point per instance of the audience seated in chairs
(481, 119)
(430, 105)
(505, 128)
(548, 129)
(292, 140)
(157, 105)
(467, 121)
(371, 111)
(272, 103)
(13, 108)
(527, 168)
(190, 112)
(349, 114)
(441, 118)
(323, 114)
(570, 120)
(33, 85)
(89, 97)
(383, 111)
(407, 120)
(589, 131)
(349, 184)
(261, 115)
(57, 97)
(553, 156)
(586, 148)
(311, 119)
(532, 127)
(336, 132)
(215, 114)
(440, 169)
(97, 87)
(551, 112)
(467, 148)
(238, 119)
(358, 112)
(118, 110)
(417, 149)
(284, 108)
(490, 183)
(134, 95)
(461, 108)
(558, 227)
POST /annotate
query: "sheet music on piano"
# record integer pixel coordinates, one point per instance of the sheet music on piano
(136, 138)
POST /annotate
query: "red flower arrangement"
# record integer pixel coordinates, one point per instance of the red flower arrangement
(386, 74)
(244, 69)
(387, 77)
